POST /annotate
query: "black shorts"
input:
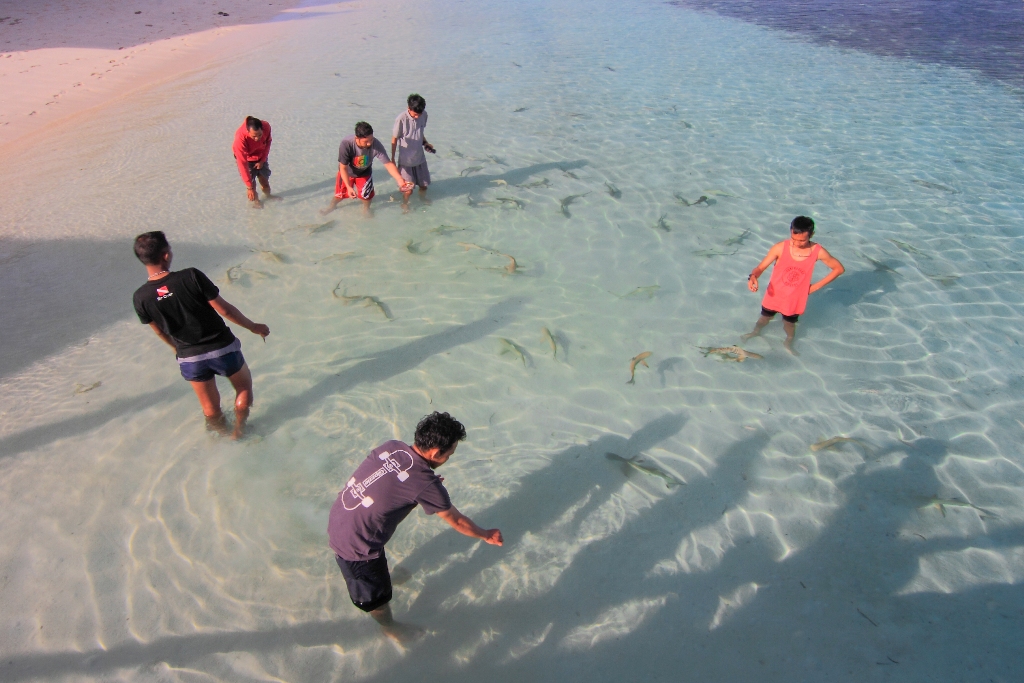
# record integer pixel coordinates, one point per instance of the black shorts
(768, 313)
(369, 582)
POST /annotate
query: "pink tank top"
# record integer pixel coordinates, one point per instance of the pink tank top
(791, 282)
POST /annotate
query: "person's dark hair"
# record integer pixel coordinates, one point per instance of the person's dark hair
(363, 130)
(416, 103)
(150, 247)
(439, 430)
(253, 123)
(802, 224)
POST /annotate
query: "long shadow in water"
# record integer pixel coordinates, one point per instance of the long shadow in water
(475, 184)
(604, 574)
(81, 424)
(387, 364)
(179, 651)
(56, 293)
(832, 304)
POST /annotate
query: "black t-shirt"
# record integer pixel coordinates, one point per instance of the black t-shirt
(179, 303)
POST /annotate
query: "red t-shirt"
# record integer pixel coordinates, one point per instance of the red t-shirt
(248, 150)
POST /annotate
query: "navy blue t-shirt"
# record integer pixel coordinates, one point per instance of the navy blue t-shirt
(382, 492)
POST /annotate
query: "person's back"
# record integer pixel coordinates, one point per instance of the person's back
(179, 303)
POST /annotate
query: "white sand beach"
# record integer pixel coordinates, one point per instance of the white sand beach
(853, 513)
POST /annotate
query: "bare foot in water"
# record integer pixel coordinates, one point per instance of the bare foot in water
(789, 347)
(217, 424)
(750, 335)
(403, 634)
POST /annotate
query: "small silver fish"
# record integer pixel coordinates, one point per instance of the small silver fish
(471, 169)
(521, 109)
(314, 228)
(498, 160)
(944, 280)
(935, 186)
(720, 193)
(636, 463)
(369, 299)
(639, 359)
(615, 192)
(545, 335)
(662, 225)
(647, 291)
(509, 346)
(731, 353)
(339, 257)
(708, 253)
(269, 255)
(511, 200)
(82, 388)
(910, 249)
(943, 503)
(416, 248)
(476, 204)
(609, 68)
(456, 153)
(570, 174)
(543, 182)
(736, 240)
(838, 440)
(446, 230)
(569, 200)
(686, 124)
(879, 266)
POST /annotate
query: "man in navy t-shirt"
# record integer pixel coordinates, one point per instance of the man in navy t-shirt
(184, 309)
(384, 489)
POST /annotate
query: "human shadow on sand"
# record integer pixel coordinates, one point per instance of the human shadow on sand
(386, 364)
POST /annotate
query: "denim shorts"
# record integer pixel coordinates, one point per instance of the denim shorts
(224, 362)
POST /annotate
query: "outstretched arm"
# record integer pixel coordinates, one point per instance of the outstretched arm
(393, 172)
(394, 145)
(234, 315)
(464, 525)
(773, 255)
(833, 263)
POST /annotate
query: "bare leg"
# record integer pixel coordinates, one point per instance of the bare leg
(758, 326)
(209, 401)
(402, 634)
(405, 201)
(242, 382)
(334, 204)
(790, 329)
(423, 195)
(266, 191)
(366, 207)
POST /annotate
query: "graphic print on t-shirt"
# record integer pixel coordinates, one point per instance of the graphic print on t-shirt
(361, 161)
(162, 292)
(356, 493)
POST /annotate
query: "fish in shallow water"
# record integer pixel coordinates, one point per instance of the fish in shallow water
(708, 253)
(910, 249)
(879, 266)
(636, 463)
(662, 225)
(500, 182)
(509, 346)
(368, 299)
(510, 269)
(416, 248)
(639, 359)
(570, 174)
(943, 503)
(457, 154)
(477, 204)
(543, 182)
(269, 255)
(235, 274)
(446, 230)
(720, 193)
(498, 160)
(647, 291)
(615, 192)
(732, 353)
(682, 200)
(471, 169)
(609, 68)
(569, 200)
(686, 124)
(339, 257)
(839, 440)
(944, 280)
(738, 240)
(935, 186)
(511, 200)
(521, 109)
(82, 388)
(314, 228)
(545, 335)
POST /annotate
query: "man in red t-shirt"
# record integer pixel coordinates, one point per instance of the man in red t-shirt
(251, 149)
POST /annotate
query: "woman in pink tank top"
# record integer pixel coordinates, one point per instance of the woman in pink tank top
(790, 284)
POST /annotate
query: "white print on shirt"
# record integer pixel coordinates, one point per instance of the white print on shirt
(162, 293)
(355, 494)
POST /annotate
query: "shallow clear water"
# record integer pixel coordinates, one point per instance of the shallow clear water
(138, 547)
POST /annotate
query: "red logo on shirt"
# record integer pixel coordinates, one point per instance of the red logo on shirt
(162, 293)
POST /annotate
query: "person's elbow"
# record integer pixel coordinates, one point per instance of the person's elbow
(838, 270)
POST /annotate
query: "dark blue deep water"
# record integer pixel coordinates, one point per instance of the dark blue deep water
(985, 35)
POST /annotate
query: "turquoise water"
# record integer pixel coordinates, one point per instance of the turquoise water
(137, 547)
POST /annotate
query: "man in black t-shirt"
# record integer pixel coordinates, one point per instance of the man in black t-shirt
(184, 308)
(393, 479)
(355, 168)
